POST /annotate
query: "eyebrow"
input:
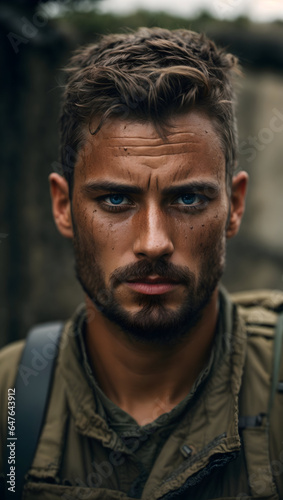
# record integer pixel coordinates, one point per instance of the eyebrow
(199, 186)
(114, 187)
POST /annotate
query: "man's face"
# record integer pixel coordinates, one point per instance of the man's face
(149, 219)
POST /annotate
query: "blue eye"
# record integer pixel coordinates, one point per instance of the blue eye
(115, 202)
(116, 199)
(189, 199)
(192, 201)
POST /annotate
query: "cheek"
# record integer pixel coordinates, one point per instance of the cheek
(112, 245)
(98, 235)
(91, 234)
(202, 237)
(213, 236)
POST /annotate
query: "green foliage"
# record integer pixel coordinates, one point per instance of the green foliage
(89, 24)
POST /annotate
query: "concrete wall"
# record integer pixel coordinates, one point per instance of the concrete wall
(255, 257)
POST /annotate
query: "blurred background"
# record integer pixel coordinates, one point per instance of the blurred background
(37, 37)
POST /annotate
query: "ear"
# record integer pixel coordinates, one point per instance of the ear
(238, 197)
(61, 205)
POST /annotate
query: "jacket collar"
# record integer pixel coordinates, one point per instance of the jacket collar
(206, 437)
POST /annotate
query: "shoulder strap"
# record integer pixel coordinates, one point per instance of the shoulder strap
(278, 340)
(255, 430)
(31, 397)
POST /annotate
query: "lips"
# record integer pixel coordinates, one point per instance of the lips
(152, 285)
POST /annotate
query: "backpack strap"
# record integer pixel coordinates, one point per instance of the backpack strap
(32, 389)
(255, 429)
(277, 355)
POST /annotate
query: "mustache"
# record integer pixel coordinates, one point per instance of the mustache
(142, 269)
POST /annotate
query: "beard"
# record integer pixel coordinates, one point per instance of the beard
(155, 322)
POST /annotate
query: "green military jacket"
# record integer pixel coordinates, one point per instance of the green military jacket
(217, 450)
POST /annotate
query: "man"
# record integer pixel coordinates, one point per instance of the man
(162, 384)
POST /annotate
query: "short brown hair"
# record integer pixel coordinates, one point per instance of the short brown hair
(148, 75)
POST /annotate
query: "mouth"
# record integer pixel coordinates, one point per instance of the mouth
(152, 285)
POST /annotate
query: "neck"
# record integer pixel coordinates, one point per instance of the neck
(148, 380)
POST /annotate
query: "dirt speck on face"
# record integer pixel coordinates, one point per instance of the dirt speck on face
(192, 227)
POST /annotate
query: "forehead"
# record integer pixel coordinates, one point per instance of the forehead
(129, 149)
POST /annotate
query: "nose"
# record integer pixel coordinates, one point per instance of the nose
(153, 238)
